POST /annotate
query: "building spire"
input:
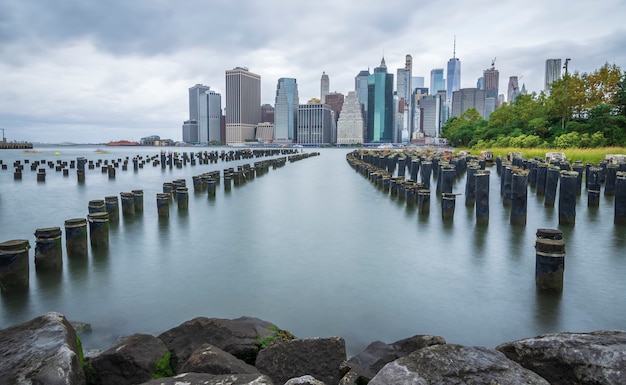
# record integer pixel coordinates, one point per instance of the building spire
(454, 50)
(382, 63)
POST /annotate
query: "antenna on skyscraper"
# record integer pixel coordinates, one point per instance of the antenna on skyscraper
(454, 50)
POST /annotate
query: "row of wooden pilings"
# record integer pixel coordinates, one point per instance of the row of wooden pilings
(564, 178)
(165, 159)
(14, 254)
(549, 245)
(380, 168)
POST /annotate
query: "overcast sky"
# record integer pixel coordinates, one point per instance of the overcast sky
(93, 71)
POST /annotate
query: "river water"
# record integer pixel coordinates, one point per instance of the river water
(313, 247)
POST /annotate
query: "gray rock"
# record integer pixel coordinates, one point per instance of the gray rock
(213, 360)
(318, 357)
(304, 380)
(130, 362)
(41, 351)
(378, 354)
(455, 364)
(81, 327)
(238, 337)
(573, 358)
(211, 379)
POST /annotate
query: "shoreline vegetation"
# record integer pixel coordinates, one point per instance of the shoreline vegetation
(594, 155)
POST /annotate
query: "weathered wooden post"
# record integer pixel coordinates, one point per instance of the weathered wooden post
(593, 186)
(470, 185)
(112, 207)
(567, 197)
(482, 197)
(76, 237)
(519, 197)
(448, 203)
(542, 171)
(550, 260)
(138, 200)
(423, 201)
(182, 197)
(163, 204)
(128, 203)
(14, 266)
(99, 229)
(425, 172)
(620, 198)
(48, 251)
(611, 177)
(552, 181)
(96, 206)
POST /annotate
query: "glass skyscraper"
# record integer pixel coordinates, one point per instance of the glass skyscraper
(286, 110)
(436, 81)
(454, 77)
(380, 105)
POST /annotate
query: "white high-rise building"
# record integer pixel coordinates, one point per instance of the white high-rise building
(205, 116)
(553, 72)
(243, 104)
(351, 123)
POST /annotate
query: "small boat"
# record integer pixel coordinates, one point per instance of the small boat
(31, 152)
(100, 151)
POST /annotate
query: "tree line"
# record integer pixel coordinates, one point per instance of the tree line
(581, 110)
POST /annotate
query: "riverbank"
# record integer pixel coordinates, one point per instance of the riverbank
(249, 350)
(15, 145)
(594, 155)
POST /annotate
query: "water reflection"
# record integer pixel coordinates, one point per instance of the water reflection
(548, 309)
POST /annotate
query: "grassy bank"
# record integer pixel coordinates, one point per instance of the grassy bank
(594, 155)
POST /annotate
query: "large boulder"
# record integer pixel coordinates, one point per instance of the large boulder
(212, 379)
(213, 360)
(573, 358)
(41, 351)
(455, 364)
(132, 361)
(378, 354)
(239, 337)
(318, 357)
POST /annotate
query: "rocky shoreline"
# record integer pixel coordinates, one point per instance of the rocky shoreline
(246, 350)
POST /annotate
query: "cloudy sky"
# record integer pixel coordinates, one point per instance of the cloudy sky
(89, 71)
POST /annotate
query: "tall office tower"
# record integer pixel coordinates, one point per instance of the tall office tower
(492, 80)
(436, 81)
(360, 86)
(454, 74)
(264, 132)
(553, 72)
(335, 101)
(513, 89)
(444, 114)
(480, 83)
(467, 98)
(350, 124)
(286, 110)
(316, 124)
(430, 115)
(380, 105)
(403, 90)
(324, 87)
(205, 113)
(267, 113)
(243, 104)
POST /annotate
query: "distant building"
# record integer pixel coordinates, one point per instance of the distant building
(513, 90)
(351, 123)
(417, 82)
(155, 140)
(205, 112)
(324, 87)
(315, 124)
(492, 81)
(360, 86)
(265, 132)
(430, 115)
(467, 98)
(335, 101)
(286, 110)
(454, 74)
(380, 106)
(267, 113)
(243, 104)
(480, 83)
(553, 72)
(436, 81)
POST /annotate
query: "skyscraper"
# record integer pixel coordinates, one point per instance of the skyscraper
(350, 124)
(491, 77)
(553, 72)
(315, 124)
(380, 105)
(513, 90)
(335, 101)
(286, 110)
(205, 113)
(436, 81)
(243, 104)
(454, 74)
(360, 86)
(324, 87)
(467, 98)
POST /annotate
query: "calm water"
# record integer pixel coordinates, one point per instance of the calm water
(315, 248)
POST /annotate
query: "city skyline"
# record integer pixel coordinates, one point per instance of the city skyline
(92, 72)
